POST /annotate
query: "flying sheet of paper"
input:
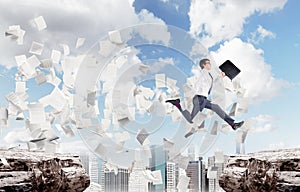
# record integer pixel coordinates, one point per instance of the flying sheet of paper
(40, 23)
(121, 60)
(20, 59)
(157, 178)
(36, 48)
(142, 135)
(212, 173)
(106, 47)
(160, 81)
(115, 37)
(168, 144)
(101, 150)
(214, 129)
(46, 63)
(233, 110)
(121, 137)
(91, 97)
(80, 42)
(219, 157)
(183, 183)
(40, 78)
(143, 68)
(225, 128)
(56, 99)
(66, 49)
(55, 56)
(36, 113)
(20, 87)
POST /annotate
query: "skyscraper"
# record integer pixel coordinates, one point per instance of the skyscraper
(171, 176)
(196, 172)
(215, 169)
(158, 162)
(115, 180)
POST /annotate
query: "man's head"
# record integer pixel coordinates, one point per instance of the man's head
(205, 64)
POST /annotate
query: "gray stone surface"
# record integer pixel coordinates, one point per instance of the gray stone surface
(266, 171)
(22, 170)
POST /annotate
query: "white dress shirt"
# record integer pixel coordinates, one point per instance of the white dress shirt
(203, 82)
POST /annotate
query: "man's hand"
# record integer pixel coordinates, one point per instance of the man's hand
(223, 74)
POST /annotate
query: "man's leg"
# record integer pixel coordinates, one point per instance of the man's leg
(216, 108)
(186, 114)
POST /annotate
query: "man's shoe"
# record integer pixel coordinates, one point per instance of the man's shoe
(173, 101)
(237, 125)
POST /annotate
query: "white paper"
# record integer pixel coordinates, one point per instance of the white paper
(115, 37)
(233, 110)
(142, 135)
(214, 129)
(101, 150)
(157, 178)
(40, 78)
(121, 137)
(66, 49)
(46, 63)
(91, 97)
(219, 157)
(241, 136)
(36, 48)
(121, 60)
(36, 113)
(55, 56)
(106, 47)
(143, 68)
(212, 173)
(20, 87)
(56, 99)
(168, 144)
(183, 183)
(80, 42)
(20, 59)
(225, 128)
(160, 81)
(40, 23)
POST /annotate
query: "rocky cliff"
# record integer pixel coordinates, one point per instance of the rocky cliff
(22, 170)
(264, 171)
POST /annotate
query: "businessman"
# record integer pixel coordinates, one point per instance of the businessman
(202, 87)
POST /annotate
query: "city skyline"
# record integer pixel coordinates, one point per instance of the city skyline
(261, 38)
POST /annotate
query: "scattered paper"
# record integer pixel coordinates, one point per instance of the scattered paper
(36, 113)
(183, 183)
(160, 81)
(106, 47)
(142, 135)
(115, 37)
(55, 56)
(80, 42)
(214, 129)
(66, 49)
(40, 23)
(36, 48)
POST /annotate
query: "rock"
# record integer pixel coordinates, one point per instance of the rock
(266, 171)
(22, 170)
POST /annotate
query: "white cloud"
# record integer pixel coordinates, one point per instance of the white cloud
(216, 20)
(66, 21)
(256, 75)
(260, 34)
(264, 123)
(275, 146)
(260, 119)
(266, 128)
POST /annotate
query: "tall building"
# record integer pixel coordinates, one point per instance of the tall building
(196, 172)
(158, 162)
(115, 180)
(240, 148)
(137, 180)
(90, 163)
(215, 169)
(171, 176)
(93, 168)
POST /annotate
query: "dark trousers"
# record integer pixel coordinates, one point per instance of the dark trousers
(201, 102)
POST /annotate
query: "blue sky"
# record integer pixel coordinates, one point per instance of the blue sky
(263, 38)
